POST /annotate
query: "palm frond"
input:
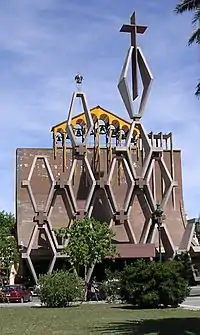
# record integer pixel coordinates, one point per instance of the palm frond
(197, 93)
(196, 17)
(195, 37)
(187, 5)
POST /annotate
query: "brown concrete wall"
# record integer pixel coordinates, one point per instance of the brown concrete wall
(60, 216)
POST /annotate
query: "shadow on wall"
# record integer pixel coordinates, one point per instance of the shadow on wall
(167, 326)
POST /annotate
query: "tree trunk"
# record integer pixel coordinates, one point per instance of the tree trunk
(12, 272)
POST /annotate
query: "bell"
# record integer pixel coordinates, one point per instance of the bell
(114, 133)
(78, 132)
(102, 130)
(59, 137)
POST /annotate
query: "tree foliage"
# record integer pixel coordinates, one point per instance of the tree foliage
(198, 90)
(89, 242)
(149, 284)
(8, 243)
(194, 6)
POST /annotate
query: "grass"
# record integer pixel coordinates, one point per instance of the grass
(98, 319)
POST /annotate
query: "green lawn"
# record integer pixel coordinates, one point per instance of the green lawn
(98, 319)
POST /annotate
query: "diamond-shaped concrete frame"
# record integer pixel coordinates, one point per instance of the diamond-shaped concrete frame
(88, 117)
(68, 207)
(130, 231)
(169, 183)
(27, 183)
(165, 236)
(123, 85)
(47, 227)
(149, 194)
(146, 209)
(146, 145)
(147, 80)
(130, 184)
(146, 77)
(29, 249)
(92, 180)
(108, 208)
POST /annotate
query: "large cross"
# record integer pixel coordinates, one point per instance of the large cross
(134, 29)
(40, 218)
(140, 183)
(80, 150)
(100, 182)
(61, 182)
(121, 216)
(80, 215)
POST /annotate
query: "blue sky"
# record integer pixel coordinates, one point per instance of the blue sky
(43, 44)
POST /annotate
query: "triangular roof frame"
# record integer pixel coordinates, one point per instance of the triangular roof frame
(91, 110)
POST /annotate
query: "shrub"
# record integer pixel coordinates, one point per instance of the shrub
(149, 284)
(60, 288)
(172, 286)
(111, 286)
(185, 263)
(139, 284)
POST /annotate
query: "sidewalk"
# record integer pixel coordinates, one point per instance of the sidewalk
(195, 291)
(191, 303)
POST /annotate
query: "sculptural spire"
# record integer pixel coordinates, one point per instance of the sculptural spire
(137, 60)
(134, 29)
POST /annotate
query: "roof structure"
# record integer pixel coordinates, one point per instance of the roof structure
(98, 113)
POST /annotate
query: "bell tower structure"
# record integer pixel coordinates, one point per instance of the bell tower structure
(105, 167)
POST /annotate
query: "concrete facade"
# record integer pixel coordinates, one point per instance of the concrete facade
(62, 214)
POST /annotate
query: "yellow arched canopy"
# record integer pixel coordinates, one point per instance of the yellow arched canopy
(98, 113)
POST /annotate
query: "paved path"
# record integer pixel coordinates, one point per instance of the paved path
(34, 303)
(195, 291)
(192, 302)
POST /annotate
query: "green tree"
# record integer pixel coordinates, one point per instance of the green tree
(8, 243)
(89, 242)
(194, 6)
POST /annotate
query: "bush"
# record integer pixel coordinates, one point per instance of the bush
(139, 284)
(60, 288)
(149, 284)
(185, 264)
(172, 285)
(110, 288)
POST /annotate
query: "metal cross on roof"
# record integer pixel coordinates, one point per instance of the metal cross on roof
(134, 29)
